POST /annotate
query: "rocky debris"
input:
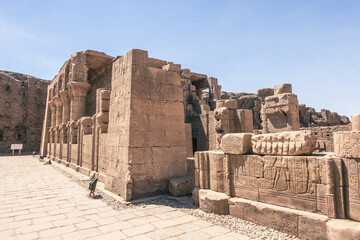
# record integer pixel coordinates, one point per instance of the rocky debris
(22, 108)
(247, 101)
(310, 118)
(229, 103)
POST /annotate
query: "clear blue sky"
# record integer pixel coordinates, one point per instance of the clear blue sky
(247, 45)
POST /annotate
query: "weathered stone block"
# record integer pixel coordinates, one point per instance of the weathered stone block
(195, 196)
(284, 143)
(282, 88)
(355, 122)
(181, 186)
(312, 226)
(342, 229)
(228, 103)
(347, 144)
(213, 202)
(279, 218)
(245, 118)
(236, 143)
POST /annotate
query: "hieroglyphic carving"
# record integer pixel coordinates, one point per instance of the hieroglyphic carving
(330, 188)
(353, 171)
(247, 172)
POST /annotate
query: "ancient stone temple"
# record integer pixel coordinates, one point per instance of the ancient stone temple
(145, 126)
(22, 107)
(134, 120)
(120, 117)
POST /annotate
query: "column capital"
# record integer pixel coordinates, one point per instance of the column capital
(57, 100)
(62, 126)
(52, 105)
(71, 124)
(86, 124)
(64, 96)
(78, 90)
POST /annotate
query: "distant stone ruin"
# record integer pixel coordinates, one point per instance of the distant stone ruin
(22, 108)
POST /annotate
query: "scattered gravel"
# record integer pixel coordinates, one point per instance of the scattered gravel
(234, 224)
(185, 204)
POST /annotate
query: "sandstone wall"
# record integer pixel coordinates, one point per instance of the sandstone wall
(121, 118)
(22, 108)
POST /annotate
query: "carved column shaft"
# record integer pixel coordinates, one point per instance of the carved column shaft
(66, 106)
(53, 113)
(78, 92)
(59, 109)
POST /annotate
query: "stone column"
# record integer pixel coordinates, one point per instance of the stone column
(59, 110)
(355, 122)
(66, 106)
(78, 92)
(53, 113)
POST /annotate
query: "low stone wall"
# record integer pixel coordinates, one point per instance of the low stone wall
(308, 183)
(299, 195)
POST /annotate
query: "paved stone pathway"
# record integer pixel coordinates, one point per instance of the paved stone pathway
(38, 202)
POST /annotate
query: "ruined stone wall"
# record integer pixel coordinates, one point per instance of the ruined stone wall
(274, 180)
(307, 115)
(325, 136)
(22, 107)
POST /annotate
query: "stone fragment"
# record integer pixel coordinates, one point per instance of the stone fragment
(347, 144)
(245, 120)
(230, 104)
(282, 88)
(195, 196)
(213, 202)
(343, 229)
(301, 224)
(236, 143)
(265, 92)
(280, 112)
(355, 122)
(284, 143)
(181, 186)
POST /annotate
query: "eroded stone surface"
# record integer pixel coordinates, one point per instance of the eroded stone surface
(181, 186)
(236, 143)
(281, 113)
(347, 144)
(355, 122)
(215, 202)
(284, 143)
